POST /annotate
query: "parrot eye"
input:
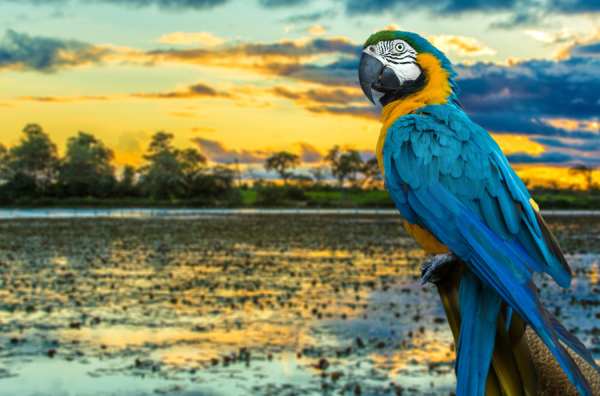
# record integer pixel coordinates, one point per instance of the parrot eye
(400, 47)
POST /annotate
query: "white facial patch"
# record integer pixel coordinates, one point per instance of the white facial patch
(397, 55)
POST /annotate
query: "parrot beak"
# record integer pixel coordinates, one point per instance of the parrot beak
(376, 80)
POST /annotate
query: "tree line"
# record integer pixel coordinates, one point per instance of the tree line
(33, 169)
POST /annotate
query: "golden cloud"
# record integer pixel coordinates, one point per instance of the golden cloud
(461, 45)
(203, 39)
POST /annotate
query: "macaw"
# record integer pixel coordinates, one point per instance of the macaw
(461, 200)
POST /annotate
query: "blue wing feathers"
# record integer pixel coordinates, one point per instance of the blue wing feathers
(447, 174)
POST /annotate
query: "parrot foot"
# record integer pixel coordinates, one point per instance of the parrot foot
(434, 268)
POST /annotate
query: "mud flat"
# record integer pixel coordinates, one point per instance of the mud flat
(240, 305)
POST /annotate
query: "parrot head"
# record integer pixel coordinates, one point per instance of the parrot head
(395, 64)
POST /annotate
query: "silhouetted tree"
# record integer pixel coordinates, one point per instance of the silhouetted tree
(4, 166)
(345, 165)
(372, 173)
(585, 171)
(86, 169)
(127, 184)
(34, 161)
(192, 167)
(318, 174)
(162, 176)
(333, 157)
(282, 162)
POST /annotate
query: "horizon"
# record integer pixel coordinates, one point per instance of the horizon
(246, 79)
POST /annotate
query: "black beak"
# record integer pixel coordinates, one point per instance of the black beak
(373, 75)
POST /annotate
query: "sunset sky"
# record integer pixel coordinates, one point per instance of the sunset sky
(243, 78)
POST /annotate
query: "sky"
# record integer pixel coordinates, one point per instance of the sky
(240, 79)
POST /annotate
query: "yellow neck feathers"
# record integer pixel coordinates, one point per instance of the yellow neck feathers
(436, 91)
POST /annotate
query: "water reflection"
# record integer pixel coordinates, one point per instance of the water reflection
(237, 305)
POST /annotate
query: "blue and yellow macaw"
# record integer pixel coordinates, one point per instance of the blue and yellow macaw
(461, 200)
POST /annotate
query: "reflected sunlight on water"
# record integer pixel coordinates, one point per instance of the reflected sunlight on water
(236, 306)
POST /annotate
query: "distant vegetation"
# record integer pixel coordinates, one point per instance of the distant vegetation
(33, 174)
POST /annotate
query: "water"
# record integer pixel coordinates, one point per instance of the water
(238, 305)
(143, 213)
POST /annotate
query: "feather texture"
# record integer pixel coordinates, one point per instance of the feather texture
(452, 179)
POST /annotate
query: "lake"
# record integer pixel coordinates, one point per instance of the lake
(226, 303)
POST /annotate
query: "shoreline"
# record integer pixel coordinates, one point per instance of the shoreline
(148, 213)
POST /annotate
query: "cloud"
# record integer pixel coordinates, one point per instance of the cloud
(357, 7)
(545, 37)
(531, 90)
(461, 45)
(587, 50)
(544, 158)
(202, 39)
(340, 72)
(63, 99)
(316, 30)
(217, 152)
(555, 158)
(305, 60)
(258, 55)
(282, 3)
(337, 101)
(571, 144)
(574, 6)
(521, 17)
(310, 17)
(309, 154)
(20, 51)
(193, 91)
(369, 112)
(173, 5)
(338, 96)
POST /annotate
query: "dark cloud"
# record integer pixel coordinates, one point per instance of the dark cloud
(368, 112)
(22, 51)
(518, 19)
(312, 47)
(309, 154)
(586, 50)
(193, 91)
(342, 72)
(355, 7)
(574, 6)
(515, 98)
(291, 50)
(163, 4)
(578, 145)
(169, 4)
(338, 96)
(282, 3)
(544, 158)
(217, 152)
(63, 99)
(310, 17)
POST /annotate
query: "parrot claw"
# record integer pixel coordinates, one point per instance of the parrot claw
(434, 268)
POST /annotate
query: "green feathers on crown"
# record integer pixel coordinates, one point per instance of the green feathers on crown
(419, 43)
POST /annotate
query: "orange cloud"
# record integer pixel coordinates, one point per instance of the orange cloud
(62, 99)
(317, 30)
(574, 125)
(193, 91)
(461, 45)
(512, 144)
(203, 39)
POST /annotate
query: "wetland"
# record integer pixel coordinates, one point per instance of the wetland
(241, 305)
